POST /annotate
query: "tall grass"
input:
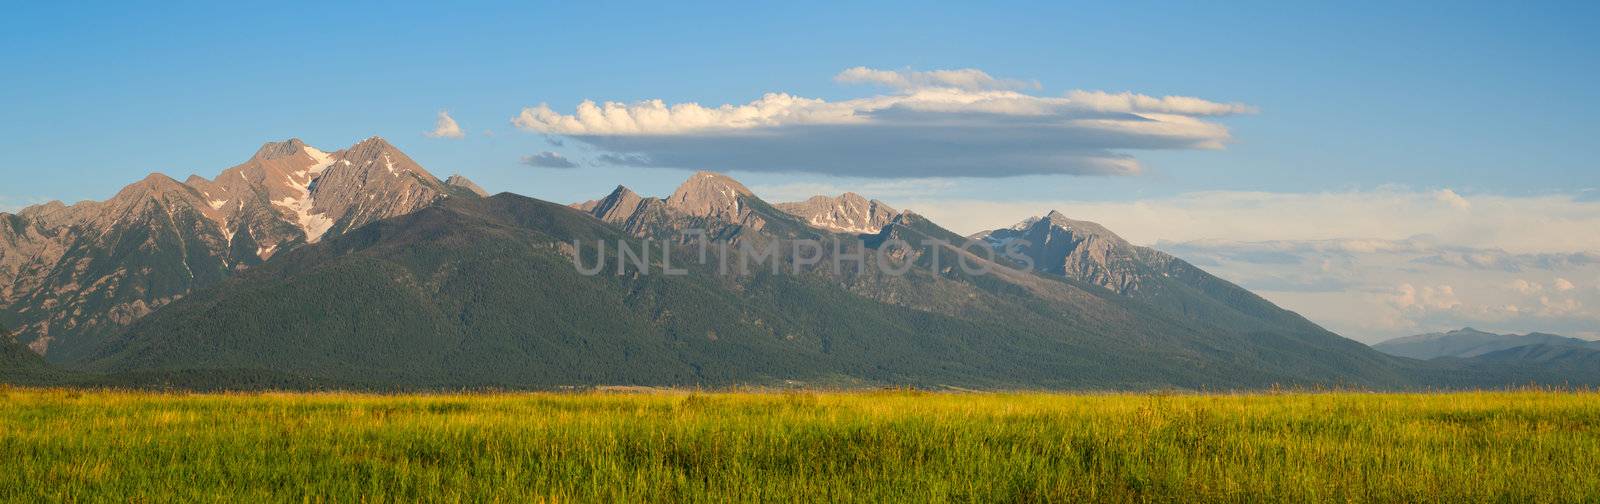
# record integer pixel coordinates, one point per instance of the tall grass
(902, 446)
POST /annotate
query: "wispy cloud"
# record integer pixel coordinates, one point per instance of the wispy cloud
(445, 127)
(933, 124)
(548, 159)
(1500, 260)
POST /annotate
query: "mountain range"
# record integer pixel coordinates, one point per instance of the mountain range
(358, 269)
(1469, 343)
(1491, 358)
(71, 275)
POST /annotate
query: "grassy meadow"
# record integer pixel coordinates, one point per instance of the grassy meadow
(1530, 446)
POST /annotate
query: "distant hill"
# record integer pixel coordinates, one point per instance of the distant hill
(1468, 343)
(1473, 358)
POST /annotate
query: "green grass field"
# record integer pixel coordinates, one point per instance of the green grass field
(58, 445)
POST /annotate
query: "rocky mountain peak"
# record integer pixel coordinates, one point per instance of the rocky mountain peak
(709, 194)
(616, 207)
(369, 145)
(42, 209)
(457, 180)
(367, 149)
(620, 194)
(909, 218)
(1086, 229)
(155, 180)
(703, 179)
(376, 155)
(846, 213)
(274, 150)
(85, 270)
(1077, 249)
(155, 185)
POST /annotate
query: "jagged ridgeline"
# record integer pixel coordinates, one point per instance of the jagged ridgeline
(73, 274)
(358, 269)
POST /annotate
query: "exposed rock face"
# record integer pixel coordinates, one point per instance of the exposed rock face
(290, 191)
(1078, 249)
(712, 202)
(370, 181)
(70, 273)
(709, 194)
(726, 208)
(847, 213)
(616, 207)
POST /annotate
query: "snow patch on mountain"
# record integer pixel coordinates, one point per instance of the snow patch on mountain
(313, 224)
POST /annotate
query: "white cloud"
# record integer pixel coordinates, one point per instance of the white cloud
(1138, 103)
(1450, 197)
(1426, 298)
(1559, 307)
(1563, 285)
(1525, 287)
(1505, 261)
(445, 127)
(934, 124)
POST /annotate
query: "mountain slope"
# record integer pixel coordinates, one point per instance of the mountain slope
(462, 183)
(485, 293)
(73, 274)
(1557, 357)
(1090, 253)
(480, 294)
(20, 365)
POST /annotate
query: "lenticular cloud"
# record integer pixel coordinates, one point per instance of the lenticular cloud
(944, 123)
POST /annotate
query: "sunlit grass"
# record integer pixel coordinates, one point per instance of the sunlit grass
(897, 446)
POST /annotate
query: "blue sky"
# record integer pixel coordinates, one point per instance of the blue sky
(1492, 102)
